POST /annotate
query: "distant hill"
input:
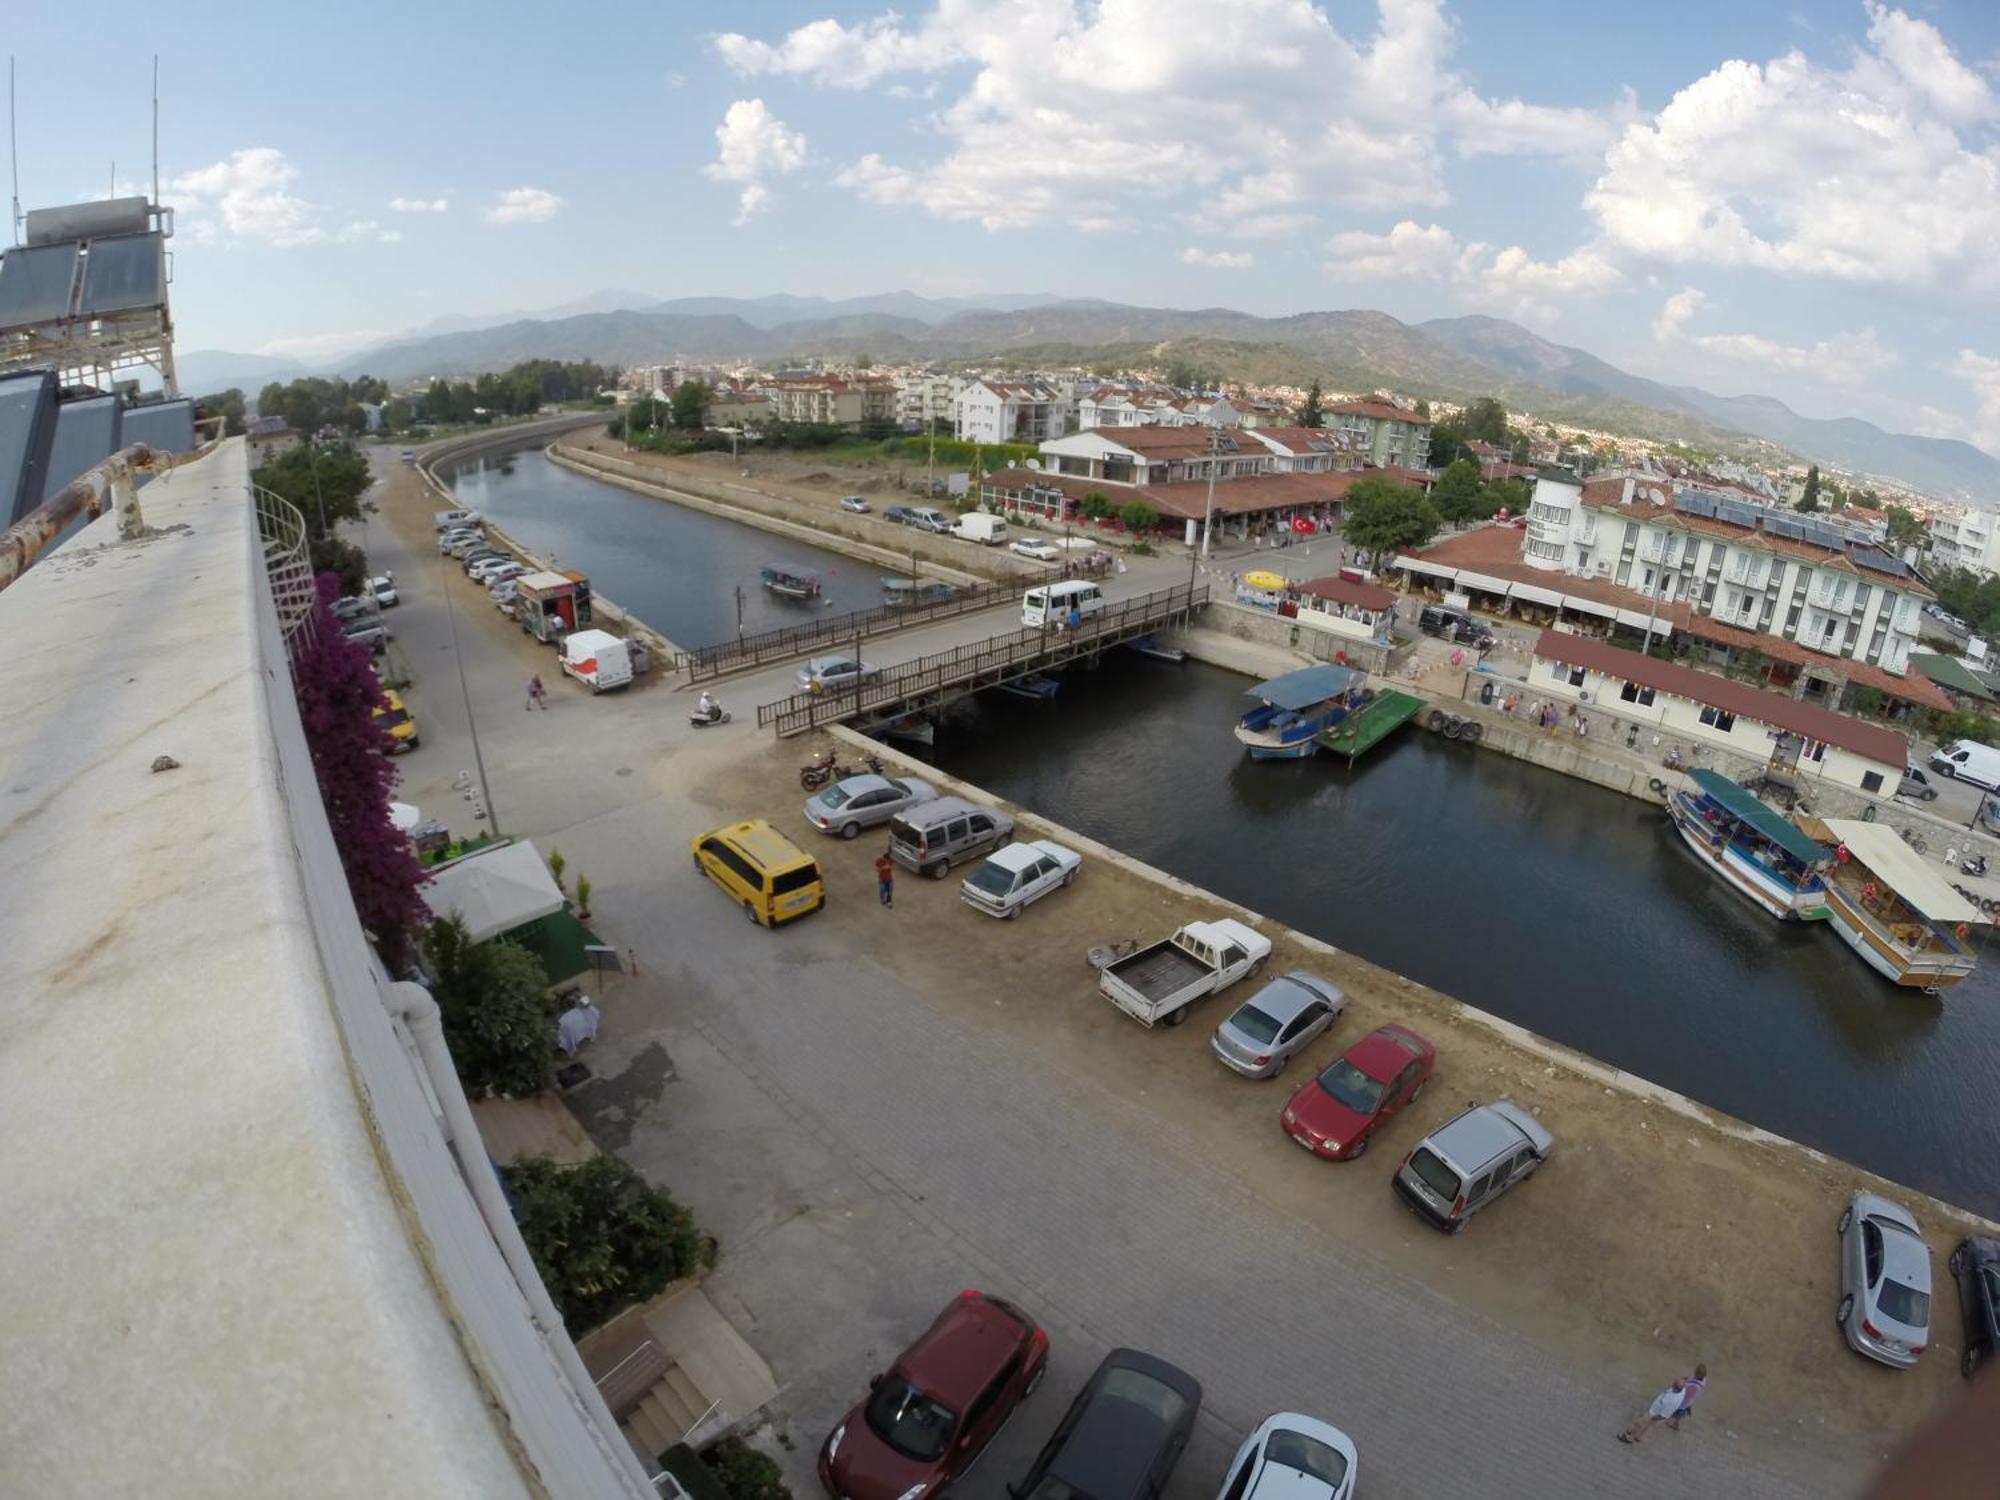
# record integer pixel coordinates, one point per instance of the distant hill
(1352, 349)
(204, 372)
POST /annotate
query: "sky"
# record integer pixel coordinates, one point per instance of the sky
(1796, 200)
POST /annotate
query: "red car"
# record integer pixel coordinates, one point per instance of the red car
(929, 1415)
(1334, 1114)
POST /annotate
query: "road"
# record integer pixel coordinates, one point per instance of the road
(866, 1137)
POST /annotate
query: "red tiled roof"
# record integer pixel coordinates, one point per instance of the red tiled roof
(1882, 745)
(1381, 410)
(1347, 591)
(1188, 498)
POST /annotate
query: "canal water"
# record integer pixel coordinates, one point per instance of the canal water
(679, 570)
(1555, 904)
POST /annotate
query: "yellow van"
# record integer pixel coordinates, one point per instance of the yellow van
(764, 872)
(399, 721)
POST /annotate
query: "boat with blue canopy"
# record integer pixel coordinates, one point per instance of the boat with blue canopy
(789, 582)
(1292, 709)
(1751, 846)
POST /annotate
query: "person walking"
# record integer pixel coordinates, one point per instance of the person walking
(537, 694)
(1690, 1388)
(1664, 1407)
(885, 878)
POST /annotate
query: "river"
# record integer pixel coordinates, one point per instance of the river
(1563, 907)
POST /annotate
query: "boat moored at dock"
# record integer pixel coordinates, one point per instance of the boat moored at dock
(1292, 709)
(1899, 914)
(902, 593)
(1751, 847)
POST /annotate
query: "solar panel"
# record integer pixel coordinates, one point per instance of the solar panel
(86, 435)
(167, 425)
(35, 285)
(27, 422)
(124, 273)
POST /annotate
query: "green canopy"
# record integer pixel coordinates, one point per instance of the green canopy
(1766, 820)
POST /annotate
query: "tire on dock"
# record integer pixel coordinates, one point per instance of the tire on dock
(1434, 719)
(1471, 731)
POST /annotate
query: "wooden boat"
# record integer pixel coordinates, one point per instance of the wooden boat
(1892, 908)
(914, 728)
(1293, 709)
(1036, 685)
(1146, 646)
(789, 582)
(901, 593)
(1751, 847)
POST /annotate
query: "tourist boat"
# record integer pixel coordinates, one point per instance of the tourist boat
(789, 582)
(1037, 685)
(1751, 846)
(1898, 913)
(901, 593)
(914, 728)
(1295, 707)
(1146, 646)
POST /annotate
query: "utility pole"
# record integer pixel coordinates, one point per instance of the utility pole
(1208, 512)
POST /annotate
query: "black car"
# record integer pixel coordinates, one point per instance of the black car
(1121, 1437)
(1975, 1266)
(1454, 625)
(899, 515)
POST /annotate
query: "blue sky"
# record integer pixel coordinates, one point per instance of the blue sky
(1799, 200)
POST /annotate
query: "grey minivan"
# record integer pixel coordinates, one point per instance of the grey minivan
(1457, 1170)
(931, 838)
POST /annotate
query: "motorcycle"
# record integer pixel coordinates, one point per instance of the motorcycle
(716, 714)
(1973, 864)
(825, 767)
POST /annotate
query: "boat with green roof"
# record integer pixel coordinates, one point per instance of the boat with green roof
(1751, 847)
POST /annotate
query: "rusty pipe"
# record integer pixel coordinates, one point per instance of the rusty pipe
(90, 494)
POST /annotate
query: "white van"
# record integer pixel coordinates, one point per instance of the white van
(1052, 605)
(978, 526)
(447, 519)
(1968, 760)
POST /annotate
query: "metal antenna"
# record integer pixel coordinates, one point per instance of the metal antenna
(14, 151)
(156, 130)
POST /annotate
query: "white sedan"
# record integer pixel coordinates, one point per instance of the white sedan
(1038, 550)
(1294, 1457)
(1019, 875)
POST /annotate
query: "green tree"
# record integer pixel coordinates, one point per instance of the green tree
(1423, 409)
(1486, 420)
(227, 405)
(1138, 517)
(1383, 516)
(744, 1473)
(1905, 529)
(1313, 413)
(1456, 495)
(1809, 500)
(1094, 506)
(498, 1021)
(690, 402)
(601, 1235)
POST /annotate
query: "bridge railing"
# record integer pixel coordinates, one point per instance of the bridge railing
(983, 663)
(706, 662)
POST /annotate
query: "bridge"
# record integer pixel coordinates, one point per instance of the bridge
(930, 682)
(707, 663)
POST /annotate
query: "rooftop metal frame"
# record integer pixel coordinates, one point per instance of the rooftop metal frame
(92, 345)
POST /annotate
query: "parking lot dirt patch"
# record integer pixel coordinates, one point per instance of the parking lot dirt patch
(1654, 1232)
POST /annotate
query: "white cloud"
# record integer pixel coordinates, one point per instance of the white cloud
(1256, 114)
(752, 144)
(311, 347)
(1511, 280)
(523, 205)
(247, 197)
(1841, 359)
(1218, 260)
(367, 229)
(419, 205)
(1981, 373)
(1881, 173)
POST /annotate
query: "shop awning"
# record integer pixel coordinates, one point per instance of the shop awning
(1902, 869)
(1418, 565)
(1535, 594)
(1640, 621)
(1765, 819)
(1467, 579)
(1589, 606)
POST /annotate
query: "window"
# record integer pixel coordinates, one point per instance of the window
(1718, 718)
(1576, 674)
(743, 869)
(1633, 693)
(1815, 750)
(1871, 781)
(795, 879)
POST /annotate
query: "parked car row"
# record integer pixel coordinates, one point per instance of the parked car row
(1885, 1286)
(933, 1412)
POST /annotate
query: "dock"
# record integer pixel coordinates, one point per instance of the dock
(1360, 732)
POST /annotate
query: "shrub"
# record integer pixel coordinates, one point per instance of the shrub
(499, 1023)
(745, 1473)
(602, 1236)
(1094, 507)
(1138, 517)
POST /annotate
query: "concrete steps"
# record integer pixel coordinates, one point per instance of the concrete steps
(665, 1414)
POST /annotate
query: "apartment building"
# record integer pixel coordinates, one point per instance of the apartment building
(926, 398)
(1112, 407)
(1006, 411)
(831, 401)
(1969, 540)
(1386, 435)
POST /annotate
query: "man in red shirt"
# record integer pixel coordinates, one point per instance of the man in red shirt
(885, 877)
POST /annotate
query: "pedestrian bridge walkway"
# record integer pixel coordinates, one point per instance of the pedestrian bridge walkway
(930, 682)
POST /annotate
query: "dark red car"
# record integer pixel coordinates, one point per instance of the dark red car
(930, 1413)
(1334, 1114)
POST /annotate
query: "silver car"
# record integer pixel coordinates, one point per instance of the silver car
(1885, 1281)
(828, 673)
(854, 504)
(861, 802)
(1278, 1022)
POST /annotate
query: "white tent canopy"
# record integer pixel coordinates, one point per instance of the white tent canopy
(495, 891)
(1900, 868)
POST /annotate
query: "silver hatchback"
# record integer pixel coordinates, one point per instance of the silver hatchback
(1885, 1281)
(1277, 1023)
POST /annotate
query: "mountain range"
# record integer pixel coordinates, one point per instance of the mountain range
(1452, 358)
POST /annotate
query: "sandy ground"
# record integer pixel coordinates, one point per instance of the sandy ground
(1651, 1240)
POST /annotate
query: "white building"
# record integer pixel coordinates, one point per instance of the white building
(1113, 407)
(1001, 411)
(1967, 540)
(1757, 569)
(926, 398)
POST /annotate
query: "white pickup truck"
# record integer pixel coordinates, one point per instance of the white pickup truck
(1156, 985)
